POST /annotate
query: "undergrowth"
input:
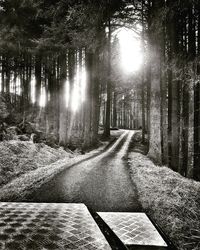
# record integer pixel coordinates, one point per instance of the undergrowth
(172, 200)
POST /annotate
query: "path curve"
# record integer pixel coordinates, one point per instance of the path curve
(102, 183)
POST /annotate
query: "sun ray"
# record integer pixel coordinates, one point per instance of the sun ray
(130, 50)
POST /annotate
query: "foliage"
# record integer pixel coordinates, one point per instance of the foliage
(46, 25)
(19, 24)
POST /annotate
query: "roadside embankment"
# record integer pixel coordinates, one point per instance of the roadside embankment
(170, 199)
(25, 166)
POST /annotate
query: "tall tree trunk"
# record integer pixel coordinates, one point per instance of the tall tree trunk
(62, 104)
(87, 107)
(175, 125)
(115, 109)
(155, 128)
(191, 87)
(148, 100)
(155, 115)
(185, 124)
(173, 31)
(3, 74)
(197, 132)
(95, 97)
(52, 92)
(143, 79)
(190, 171)
(197, 106)
(164, 100)
(108, 101)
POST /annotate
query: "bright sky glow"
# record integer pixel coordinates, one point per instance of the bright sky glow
(130, 50)
(83, 84)
(78, 86)
(67, 94)
(75, 98)
(43, 97)
(15, 87)
(78, 91)
(33, 86)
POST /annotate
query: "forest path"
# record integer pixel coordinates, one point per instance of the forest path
(102, 183)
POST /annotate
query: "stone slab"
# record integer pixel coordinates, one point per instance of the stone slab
(48, 226)
(133, 228)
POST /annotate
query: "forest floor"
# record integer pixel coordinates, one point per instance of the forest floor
(25, 166)
(170, 199)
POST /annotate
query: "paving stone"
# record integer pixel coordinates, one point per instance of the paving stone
(45, 226)
(133, 228)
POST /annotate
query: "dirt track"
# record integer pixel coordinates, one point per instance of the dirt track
(102, 183)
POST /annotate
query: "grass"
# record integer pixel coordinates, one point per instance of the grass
(18, 158)
(25, 166)
(172, 200)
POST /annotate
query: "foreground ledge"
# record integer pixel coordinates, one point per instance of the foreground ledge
(49, 226)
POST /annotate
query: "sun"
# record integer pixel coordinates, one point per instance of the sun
(130, 50)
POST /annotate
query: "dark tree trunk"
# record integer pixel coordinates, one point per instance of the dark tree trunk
(115, 109)
(191, 32)
(175, 125)
(197, 132)
(87, 107)
(173, 91)
(62, 104)
(155, 149)
(148, 101)
(3, 74)
(197, 109)
(108, 101)
(95, 105)
(185, 117)
(143, 79)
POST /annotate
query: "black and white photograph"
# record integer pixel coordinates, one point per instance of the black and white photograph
(99, 124)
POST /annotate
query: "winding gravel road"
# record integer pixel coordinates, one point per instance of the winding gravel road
(103, 183)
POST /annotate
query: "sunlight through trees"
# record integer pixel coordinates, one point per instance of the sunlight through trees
(75, 69)
(130, 50)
